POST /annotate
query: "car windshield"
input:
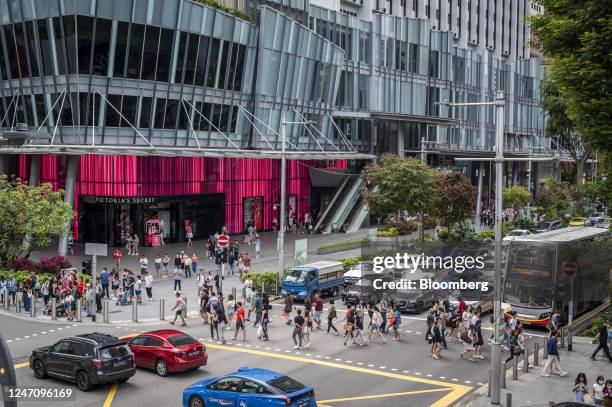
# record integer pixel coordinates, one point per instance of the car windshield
(112, 352)
(182, 340)
(516, 233)
(603, 220)
(364, 282)
(544, 225)
(295, 276)
(286, 384)
(364, 267)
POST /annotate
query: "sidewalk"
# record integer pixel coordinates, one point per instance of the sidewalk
(533, 389)
(148, 311)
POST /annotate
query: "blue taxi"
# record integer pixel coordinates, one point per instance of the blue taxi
(249, 388)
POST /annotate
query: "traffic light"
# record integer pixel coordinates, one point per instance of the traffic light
(86, 266)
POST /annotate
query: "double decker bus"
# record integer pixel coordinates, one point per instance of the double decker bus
(535, 285)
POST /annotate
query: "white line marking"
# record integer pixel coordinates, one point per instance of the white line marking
(370, 365)
(381, 367)
(417, 373)
(455, 380)
(405, 371)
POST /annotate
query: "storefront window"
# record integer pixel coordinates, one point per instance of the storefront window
(252, 210)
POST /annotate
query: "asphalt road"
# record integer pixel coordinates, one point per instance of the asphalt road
(391, 374)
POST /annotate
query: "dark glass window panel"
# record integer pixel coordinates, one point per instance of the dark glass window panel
(32, 48)
(128, 110)
(11, 51)
(216, 116)
(121, 49)
(112, 116)
(200, 73)
(83, 103)
(224, 119)
(20, 44)
(165, 52)
(149, 55)
(145, 113)
(229, 84)
(160, 113)
(1, 100)
(70, 110)
(84, 36)
(234, 119)
(45, 47)
(3, 68)
(240, 67)
(21, 109)
(223, 65)
(60, 48)
(29, 111)
(212, 63)
(89, 105)
(70, 39)
(183, 123)
(191, 58)
(171, 111)
(102, 46)
(135, 52)
(196, 115)
(207, 110)
(180, 60)
(41, 111)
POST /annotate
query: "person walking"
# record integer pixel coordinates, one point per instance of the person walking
(318, 310)
(375, 325)
(240, 322)
(258, 308)
(396, 321)
(598, 391)
(189, 234)
(181, 310)
(298, 330)
(257, 246)
(265, 320)
(187, 262)
(178, 277)
(158, 265)
(307, 327)
(204, 306)
(135, 244)
(514, 345)
(288, 307)
(148, 283)
(331, 315)
(246, 260)
(580, 388)
(214, 323)
(210, 282)
(602, 336)
(349, 325)
(552, 363)
(105, 281)
(117, 254)
(194, 263)
(231, 311)
(166, 265)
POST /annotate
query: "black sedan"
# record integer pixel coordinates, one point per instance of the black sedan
(85, 360)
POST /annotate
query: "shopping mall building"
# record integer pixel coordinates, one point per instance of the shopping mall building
(172, 110)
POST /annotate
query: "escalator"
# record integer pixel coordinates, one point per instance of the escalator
(333, 205)
(344, 206)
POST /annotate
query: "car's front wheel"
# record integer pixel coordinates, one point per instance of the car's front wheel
(161, 368)
(39, 370)
(82, 381)
(196, 401)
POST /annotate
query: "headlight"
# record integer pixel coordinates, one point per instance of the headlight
(544, 315)
(303, 293)
(284, 292)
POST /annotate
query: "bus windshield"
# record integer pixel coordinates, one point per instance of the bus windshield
(529, 275)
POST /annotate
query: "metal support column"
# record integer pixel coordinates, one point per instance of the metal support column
(71, 170)
(53, 308)
(283, 198)
(479, 196)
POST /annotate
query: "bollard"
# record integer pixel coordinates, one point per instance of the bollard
(18, 304)
(6, 301)
(275, 287)
(32, 305)
(78, 311)
(263, 287)
(135, 311)
(489, 384)
(508, 399)
(54, 309)
(243, 292)
(562, 333)
(536, 353)
(515, 368)
(545, 353)
(503, 375)
(105, 306)
(526, 360)
(162, 308)
(234, 293)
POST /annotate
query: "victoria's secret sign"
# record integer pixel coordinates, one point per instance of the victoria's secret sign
(120, 199)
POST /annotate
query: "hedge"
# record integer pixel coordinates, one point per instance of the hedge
(349, 262)
(228, 10)
(343, 244)
(269, 278)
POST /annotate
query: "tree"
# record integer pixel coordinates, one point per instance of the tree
(575, 36)
(455, 198)
(35, 212)
(516, 197)
(405, 185)
(561, 127)
(556, 198)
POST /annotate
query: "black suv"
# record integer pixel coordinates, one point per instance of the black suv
(85, 359)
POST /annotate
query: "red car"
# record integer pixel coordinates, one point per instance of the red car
(168, 351)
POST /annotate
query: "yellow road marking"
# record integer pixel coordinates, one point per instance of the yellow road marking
(110, 396)
(376, 396)
(456, 390)
(20, 365)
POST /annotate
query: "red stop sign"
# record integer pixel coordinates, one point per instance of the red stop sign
(223, 240)
(570, 268)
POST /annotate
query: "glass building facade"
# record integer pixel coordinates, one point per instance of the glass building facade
(183, 78)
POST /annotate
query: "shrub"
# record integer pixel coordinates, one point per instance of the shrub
(429, 222)
(594, 328)
(391, 232)
(234, 12)
(486, 234)
(523, 223)
(45, 265)
(349, 262)
(342, 244)
(269, 278)
(21, 263)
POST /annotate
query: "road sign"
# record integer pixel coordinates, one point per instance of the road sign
(223, 241)
(570, 268)
(96, 249)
